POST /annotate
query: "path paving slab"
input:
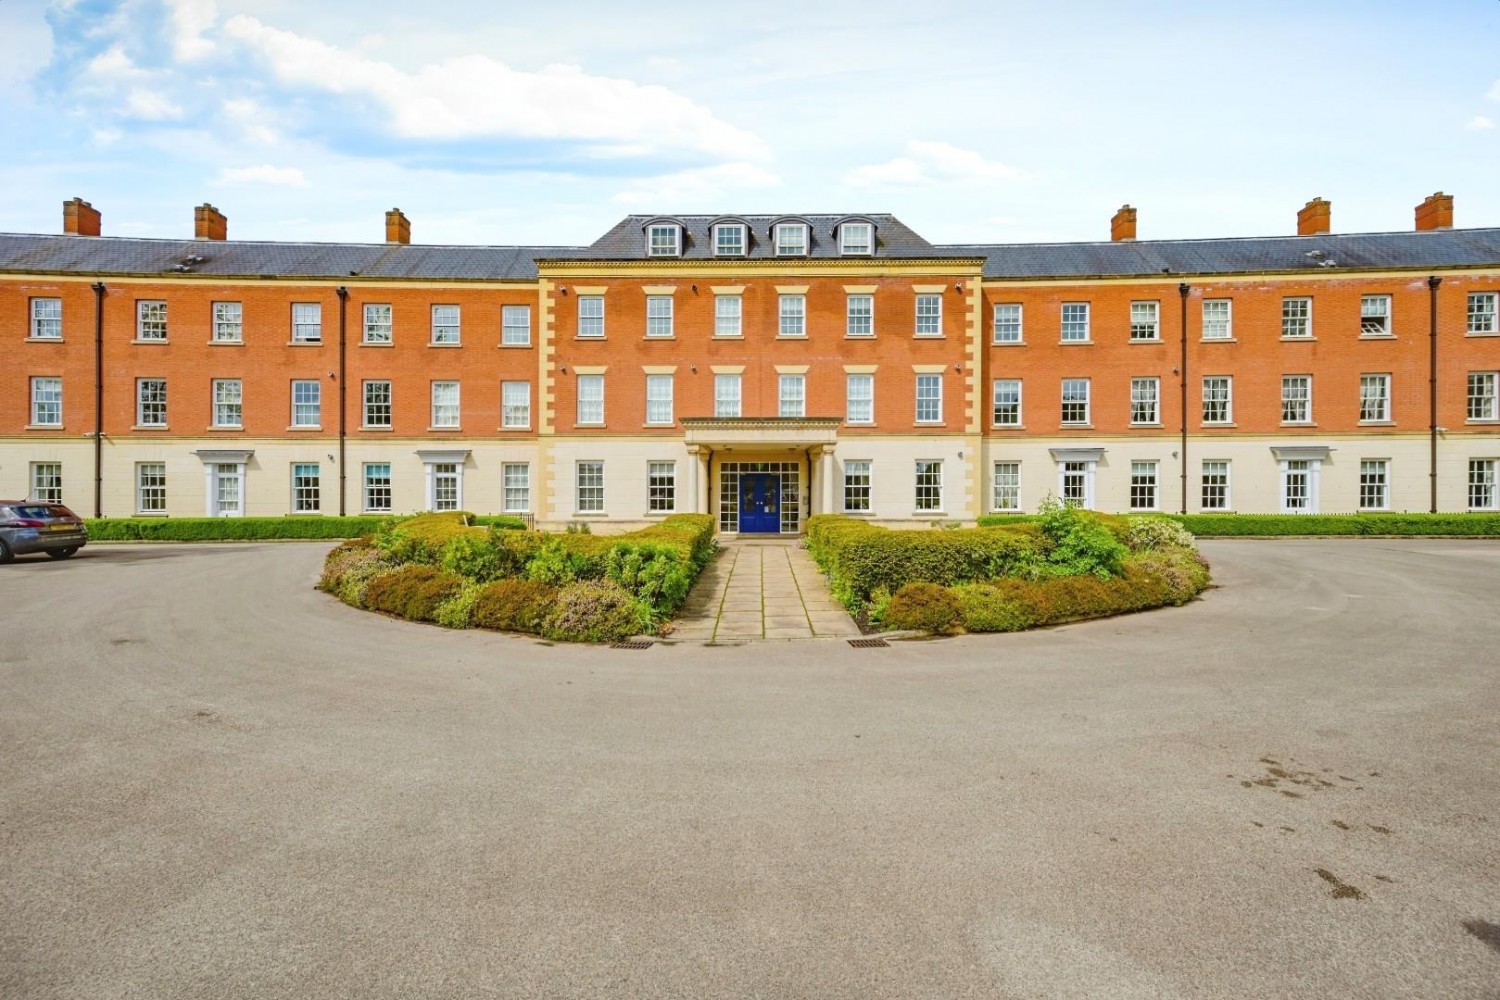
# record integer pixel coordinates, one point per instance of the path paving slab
(756, 590)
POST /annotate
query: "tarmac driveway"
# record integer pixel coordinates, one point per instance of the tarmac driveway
(217, 782)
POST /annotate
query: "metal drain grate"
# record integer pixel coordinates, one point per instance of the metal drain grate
(632, 644)
(868, 643)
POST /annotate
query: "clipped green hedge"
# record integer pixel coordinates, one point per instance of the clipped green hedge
(1287, 525)
(235, 529)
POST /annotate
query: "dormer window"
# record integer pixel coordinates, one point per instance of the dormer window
(664, 240)
(791, 239)
(729, 239)
(856, 238)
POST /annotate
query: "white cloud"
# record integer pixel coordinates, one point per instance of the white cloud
(694, 188)
(113, 64)
(474, 95)
(143, 102)
(189, 20)
(929, 163)
(251, 118)
(1494, 93)
(263, 174)
(1479, 123)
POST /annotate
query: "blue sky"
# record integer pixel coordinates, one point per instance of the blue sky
(532, 123)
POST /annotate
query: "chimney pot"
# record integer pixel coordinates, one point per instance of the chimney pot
(1315, 218)
(1436, 212)
(397, 227)
(209, 223)
(80, 218)
(1122, 226)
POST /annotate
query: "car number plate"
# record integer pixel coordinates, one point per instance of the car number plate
(59, 527)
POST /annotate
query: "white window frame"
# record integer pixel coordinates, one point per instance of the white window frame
(440, 409)
(722, 230)
(1289, 383)
(1204, 485)
(372, 406)
(1375, 316)
(515, 486)
(307, 499)
(670, 245)
(1375, 478)
(1145, 320)
(856, 239)
(151, 320)
(1228, 383)
(1481, 318)
(1480, 398)
(850, 399)
(310, 403)
(591, 317)
(1375, 398)
(661, 487)
(1077, 323)
(1145, 484)
(861, 493)
(46, 400)
(661, 393)
(515, 326)
(217, 475)
(1019, 323)
(995, 402)
(588, 503)
(1076, 467)
(447, 324)
(1005, 482)
(515, 405)
(228, 396)
(929, 323)
(797, 245)
(791, 314)
(1087, 401)
(791, 403)
(438, 476)
(1297, 317)
(932, 468)
(859, 315)
(151, 487)
(379, 324)
(1481, 484)
(728, 396)
(1145, 402)
(145, 407)
(46, 482)
(228, 322)
(929, 391)
(1219, 325)
(307, 322)
(46, 319)
(661, 321)
(1313, 467)
(729, 316)
(590, 401)
(369, 484)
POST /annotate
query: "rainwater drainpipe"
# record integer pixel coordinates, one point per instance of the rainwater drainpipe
(343, 391)
(98, 399)
(1182, 293)
(1432, 425)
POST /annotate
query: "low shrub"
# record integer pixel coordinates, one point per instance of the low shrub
(412, 591)
(1184, 571)
(657, 575)
(985, 607)
(479, 556)
(595, 611)
(513, 605)
(1078, 542)
(348, 568)
(1280, 525)
(499, 522)
(458, 610)
(421, 539)
(559, 564)
(926, 607)
(222, 529)
(1147, 534)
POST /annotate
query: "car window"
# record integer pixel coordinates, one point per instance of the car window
(38, 512)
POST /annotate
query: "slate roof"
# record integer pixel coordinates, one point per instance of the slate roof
(1367, 251)
(627, 240)
(240, 258)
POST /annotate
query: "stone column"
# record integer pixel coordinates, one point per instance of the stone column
(825, 479)
(692, 481)
(705, 482)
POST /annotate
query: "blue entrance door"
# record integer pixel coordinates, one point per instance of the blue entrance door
(760, 503)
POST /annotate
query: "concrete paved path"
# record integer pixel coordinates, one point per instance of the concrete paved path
(761, 590)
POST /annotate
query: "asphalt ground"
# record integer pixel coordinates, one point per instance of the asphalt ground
(218, 782)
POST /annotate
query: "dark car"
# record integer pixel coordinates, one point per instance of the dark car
(35, 526)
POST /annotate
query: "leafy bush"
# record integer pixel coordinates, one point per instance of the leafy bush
(985, 607)
(594, 611)
(657, 575)
(1145, 534)
(1184, 571)
(1248, 525)
(927, 607)
(499, 522)
(218, 529)
(556, 564)
(479, 557)
(413, 591)
(1078, 542)
(513, 605)
(349, 567)
(458, 610)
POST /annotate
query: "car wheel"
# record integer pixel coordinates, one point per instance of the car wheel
(61, 553)
(5, 554)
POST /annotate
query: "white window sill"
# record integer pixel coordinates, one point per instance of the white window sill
(728, 336)
(1008, 427)
(1297, 340)
(1482, 333)
(592, 515)
(1298, 423)
(1154, 423)
(505, 429)
(589, 336)
(928, 336)
(445, 428)
(516, 347)
(376, 343)
(1482, 421)
(1077, 343)
(859, 336)
(138, 340)
(376, 510)
(1007, 343)
(226, 343)
(1005, 510)
(859, 423)
(1075, 426)
(1218, 340)
(1144, 340)
(305, 427)
(376, 428)
(659, 425)
(304, 343)
(444, 343)
(857, 513)
(1374, 510)
(1209, 425)
(148, 427)
(44, 427)
(929, 423)
(1377, 336)
(223, 428)
(44, 340)
(150, 513)
(660, 336)
(658, 513)
(1377, 423)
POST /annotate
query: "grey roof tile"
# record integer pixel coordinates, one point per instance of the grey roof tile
(627, 240)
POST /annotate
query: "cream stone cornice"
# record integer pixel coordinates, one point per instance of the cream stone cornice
(861, 369)
(792, 289)
(727, 289)
(659, 369)
(686, 270)
(727, 369)
(659, 289)
(792, 369)
(590, 369)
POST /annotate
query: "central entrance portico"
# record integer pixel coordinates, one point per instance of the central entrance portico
(763, 476)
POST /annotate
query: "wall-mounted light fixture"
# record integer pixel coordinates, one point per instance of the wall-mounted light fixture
(562, 289)
(695, 289)
(563, 369)
(958, 286)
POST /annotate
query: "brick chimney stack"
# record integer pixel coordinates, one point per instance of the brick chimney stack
(397, 227)
(1315, 218)
(1122, 226)
(209, 223)
(1435, 213)
(80, 218)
